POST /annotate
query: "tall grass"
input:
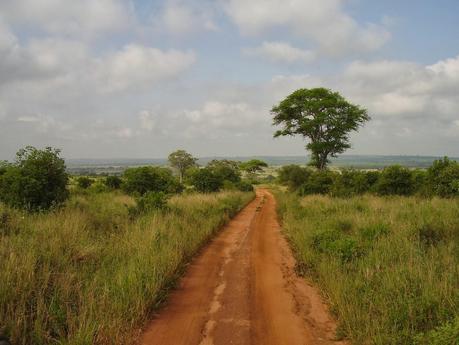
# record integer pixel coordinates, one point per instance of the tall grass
(89, 273)
(388, 266)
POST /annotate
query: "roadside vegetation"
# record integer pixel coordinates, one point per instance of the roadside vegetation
(389, 266)
(89, 263)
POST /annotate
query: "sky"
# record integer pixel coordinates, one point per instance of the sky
(142, 78)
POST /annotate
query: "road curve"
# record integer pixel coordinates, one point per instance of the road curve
(242, 289)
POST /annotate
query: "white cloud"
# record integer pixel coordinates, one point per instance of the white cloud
(184, 17)
(139, 66)
(324, 23)
(281, 52)
(147, 120)
(82, 17)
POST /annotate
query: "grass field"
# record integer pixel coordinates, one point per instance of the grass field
(89, 273)
(388, 266)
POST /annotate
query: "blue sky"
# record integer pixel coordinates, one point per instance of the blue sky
(121, 78)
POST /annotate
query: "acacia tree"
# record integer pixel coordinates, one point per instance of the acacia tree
(322, 116)
(182, 160)
(252, 166)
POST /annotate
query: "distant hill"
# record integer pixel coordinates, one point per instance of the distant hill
(112, 166)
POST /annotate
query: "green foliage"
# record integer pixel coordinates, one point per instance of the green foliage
(293, 176)
(151, 201)
(253, 166)
(182, 160)
(226, 170)
(351, 182)
(446, 334)
(150, 179)
(206, 181)
(395, 180)
(324, 117)
(244, 186)
(319, 182)
(37, 180)
(443, 177)
(113, 182)
(84, 182)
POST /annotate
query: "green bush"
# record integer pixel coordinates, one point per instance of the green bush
(244, 186)
(443, 178)
(151, 201)
(395, 180)
(37, 180)
(150, 179)
(226, 170)
(351, 182)
(84, 182)
(447, 334)
(206, 181)
(293, 176)
(113, 182)
(319, 182)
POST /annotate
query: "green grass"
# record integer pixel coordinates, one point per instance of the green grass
(389, 267)
(90, 274)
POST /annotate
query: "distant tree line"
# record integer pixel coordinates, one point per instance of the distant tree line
(37, 180)
(440, 179)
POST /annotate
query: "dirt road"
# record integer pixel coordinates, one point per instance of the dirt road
(242, 289)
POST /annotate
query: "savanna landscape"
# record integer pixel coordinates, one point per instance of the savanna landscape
(312, 198)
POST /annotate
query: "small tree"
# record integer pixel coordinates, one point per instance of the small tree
(37, 180)
(205, 181)
(294, 176)
(227, 170)
(181, 160)
(253, 166)
(322, 116)
(395, 180)
(150, 179)
(113, 182)
(84, 182)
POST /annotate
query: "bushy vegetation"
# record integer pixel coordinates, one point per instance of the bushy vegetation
(36, 181)
(90, 273)
(389, 266)
(113, 182)
(139, 181)
(84, 182)
(441, 179)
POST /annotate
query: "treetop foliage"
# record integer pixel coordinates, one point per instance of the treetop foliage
(37, 180)
(322, 116)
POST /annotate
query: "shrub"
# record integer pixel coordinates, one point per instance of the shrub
(205, 181)
(151, 201)
(293, 176)
(225, 170)
(244, 186)
(447, 334)
(150, 179)
(443, 177)
(84, 182)
(36, 181)
(319, 182)
(113, 182)
(395, 180)
(350, 183)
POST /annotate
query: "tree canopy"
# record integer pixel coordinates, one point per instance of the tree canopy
(322, 116)
(181, 160)
(254, 165)
(37, 180)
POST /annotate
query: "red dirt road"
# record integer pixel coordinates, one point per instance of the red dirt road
(242, 289)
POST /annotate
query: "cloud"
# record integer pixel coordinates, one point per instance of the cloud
(185, 17)
(82, 17)
(147, 120)
(280, 52)
(324, 24)
(138, 66)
